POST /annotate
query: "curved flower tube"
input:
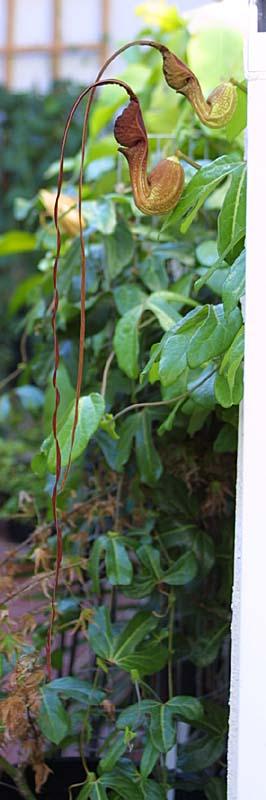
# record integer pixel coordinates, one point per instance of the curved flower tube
(158, 192)
(219, 107)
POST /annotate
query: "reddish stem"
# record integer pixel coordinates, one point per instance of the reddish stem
(58, 529)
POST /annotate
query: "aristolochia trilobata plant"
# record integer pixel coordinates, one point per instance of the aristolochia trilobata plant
(139, 565)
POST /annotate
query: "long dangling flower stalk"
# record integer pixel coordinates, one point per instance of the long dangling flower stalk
(108, 81)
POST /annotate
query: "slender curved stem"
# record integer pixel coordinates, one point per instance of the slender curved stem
(164, 402)
(186, 158)
(106, 372)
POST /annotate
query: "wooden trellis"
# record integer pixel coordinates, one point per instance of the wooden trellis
(56, 48)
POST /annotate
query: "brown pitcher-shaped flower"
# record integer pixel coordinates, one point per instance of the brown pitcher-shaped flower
(158, 192)
(219, 107)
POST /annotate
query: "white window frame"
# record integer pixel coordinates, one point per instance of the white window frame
(247, 728)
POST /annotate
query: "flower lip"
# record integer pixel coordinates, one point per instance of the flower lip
(129, 129)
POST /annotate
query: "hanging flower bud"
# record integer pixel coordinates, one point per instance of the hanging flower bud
(219, 107)
(158, 192)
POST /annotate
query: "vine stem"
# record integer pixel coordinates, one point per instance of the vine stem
(37, 580)
(164, 402)
(113, 598)
(18, 778)
(239, 85)
(170, 643)
(186, 158)
(106, 372)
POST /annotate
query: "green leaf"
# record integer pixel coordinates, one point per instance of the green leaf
(119, 249)
(207, 253)
(16, 242)
(228, 384)
(211, 277)
(151, 658)
(101, 636)
(155, 352)
(203, 548)
(152, 790)
(133, 715)
(173, 358)
(119, 569)
(97, 791)
(214, 336)
(215, 789)
(91, 410)
(168, 423)
(127, 296)
(76, 689)
(201, 388)
(96, 552)
(192, 320)
(149, 758)
(207, 647)
(148, 461)
(187, 708)
(39, 465)
(183, 571)
(224, 394)
(226, 441)
(160, 305)
(120, 782)
(141, 586)
(162, 729)
(85, 791)
(126, 341)
(150, 558)
(115, 751)
(232, 217)
(126, 432)
(134, 632)
(198, 189)
(201, 754)
(234, 284)
(53, 719)
(153, 273)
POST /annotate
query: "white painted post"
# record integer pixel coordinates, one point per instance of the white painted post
(247, 730)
